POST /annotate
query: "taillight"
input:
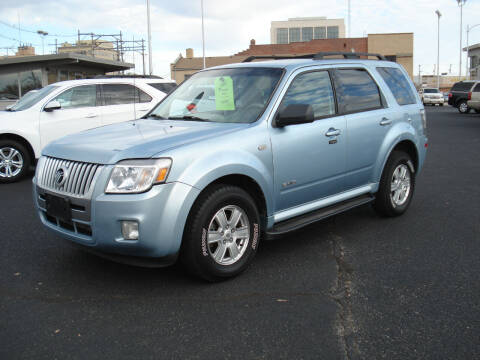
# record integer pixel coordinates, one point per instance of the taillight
(469, 97)
(450, 95)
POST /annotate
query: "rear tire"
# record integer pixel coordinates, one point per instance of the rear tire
(463, 107)
(396, 185)
(222, 233)
(477, 111)
(14, 161)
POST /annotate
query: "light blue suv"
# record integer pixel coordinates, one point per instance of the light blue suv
(235, 154)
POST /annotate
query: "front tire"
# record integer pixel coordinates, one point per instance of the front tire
(463, 107)
(396, 185)
(222, 233)
(14, 161)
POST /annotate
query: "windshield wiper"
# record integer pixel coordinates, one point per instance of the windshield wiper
(156, 116)
(188, 118)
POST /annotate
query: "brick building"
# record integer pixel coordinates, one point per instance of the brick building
(396, 47)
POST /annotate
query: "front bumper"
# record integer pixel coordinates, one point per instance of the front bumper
(433, 101)
(96, 223)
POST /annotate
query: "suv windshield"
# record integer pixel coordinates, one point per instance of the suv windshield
(431, 91)
(28, 101)
(224, 95)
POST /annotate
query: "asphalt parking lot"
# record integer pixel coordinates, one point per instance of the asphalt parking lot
(353, 286)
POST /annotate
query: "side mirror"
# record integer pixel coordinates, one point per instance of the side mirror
(52, 105)
(294, 114)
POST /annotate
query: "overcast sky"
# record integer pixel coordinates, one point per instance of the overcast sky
(229, 25)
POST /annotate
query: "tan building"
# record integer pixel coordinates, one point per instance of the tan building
(184, 67)
(395, 47)
(25, 50)
(306, 29)
(96, 48)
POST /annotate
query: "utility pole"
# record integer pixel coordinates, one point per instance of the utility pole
(349, 22)
(420, 74)
(150, 70)
(439, 14)
(203, 37)
(143, 56)
(461, 3)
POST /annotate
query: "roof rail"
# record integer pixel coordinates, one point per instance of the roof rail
(278, 57)
(127, 77)
(317, 56)
(347, 55)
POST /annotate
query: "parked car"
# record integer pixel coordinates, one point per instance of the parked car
(458, 95)
(431, 96)
(445, 98)
(236, 153)
(67, 107)
(474, 98)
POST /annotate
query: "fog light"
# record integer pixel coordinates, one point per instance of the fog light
(130, 230)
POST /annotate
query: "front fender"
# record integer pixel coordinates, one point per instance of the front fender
(398, 133)
(212, 166)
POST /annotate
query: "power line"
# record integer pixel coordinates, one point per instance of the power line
(16, 40)
(32, 31)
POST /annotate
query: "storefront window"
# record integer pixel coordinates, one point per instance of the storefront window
(30, 80)
(9, 87)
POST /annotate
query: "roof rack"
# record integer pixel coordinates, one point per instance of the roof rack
(317, 56)
(127, 77)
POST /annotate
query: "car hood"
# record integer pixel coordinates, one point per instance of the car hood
(133, 140)
(9, 118)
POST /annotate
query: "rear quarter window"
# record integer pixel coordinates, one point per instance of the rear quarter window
(462, 86)
(398, 85)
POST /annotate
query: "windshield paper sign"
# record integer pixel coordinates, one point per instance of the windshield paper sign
(224, 99)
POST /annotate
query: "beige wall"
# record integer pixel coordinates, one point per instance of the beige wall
(400, 45)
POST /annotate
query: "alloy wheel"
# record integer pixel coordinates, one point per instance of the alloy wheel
(228, 235)
(400, 186)
(11, 162)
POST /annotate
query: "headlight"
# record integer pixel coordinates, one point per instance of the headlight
(137, 176)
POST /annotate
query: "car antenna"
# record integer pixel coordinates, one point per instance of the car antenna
(134, 87)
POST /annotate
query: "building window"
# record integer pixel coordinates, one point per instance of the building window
(392, 58)
(319, 33)
(332, 32)
(282, 36)
(294, 34)
(307, 33)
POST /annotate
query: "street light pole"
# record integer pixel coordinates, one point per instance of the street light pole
(203, 37)
(468, 50)
(439, 14)
(150, 70)
(42, 36)
(461, 3)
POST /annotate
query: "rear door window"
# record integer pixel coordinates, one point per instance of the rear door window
(476, 88)
(399, 85)
(356, 91)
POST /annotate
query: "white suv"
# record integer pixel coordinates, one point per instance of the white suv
(432, 96)
(68, 107)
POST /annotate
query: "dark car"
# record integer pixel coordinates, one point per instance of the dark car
(458, 95)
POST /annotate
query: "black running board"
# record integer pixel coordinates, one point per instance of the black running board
(316, 215)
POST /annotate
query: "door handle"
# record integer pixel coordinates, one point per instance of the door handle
(332, 132)
(385, 121)
(143, 109)
(92, 115)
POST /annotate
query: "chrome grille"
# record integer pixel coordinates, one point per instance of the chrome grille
(80, 179)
